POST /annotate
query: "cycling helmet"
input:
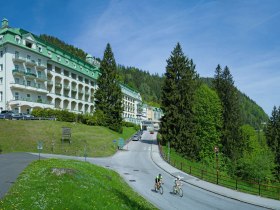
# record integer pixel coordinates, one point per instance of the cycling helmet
(159, 175)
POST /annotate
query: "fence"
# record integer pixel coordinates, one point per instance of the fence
(251, 187)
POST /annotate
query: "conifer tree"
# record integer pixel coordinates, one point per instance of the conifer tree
(170, 97)
(177, 103)
(108, 95)
(273, 136)
(231, 138)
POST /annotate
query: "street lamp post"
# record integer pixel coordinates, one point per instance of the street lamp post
(216, 150)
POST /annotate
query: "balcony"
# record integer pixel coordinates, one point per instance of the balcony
(30, 63)
(40, 66)
(80, 91)
(18, 85)
(19, 59)
(30, 75)
(74, 89)
(17, 72)
(42, 78)
(49, 72)
(66, 87)
(49, 82)
(87, 94)
(58, 85)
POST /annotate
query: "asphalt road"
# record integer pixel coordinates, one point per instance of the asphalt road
(138, 169)
(11, 165)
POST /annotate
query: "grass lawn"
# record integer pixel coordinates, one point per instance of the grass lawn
(68, 184)
(23, 135)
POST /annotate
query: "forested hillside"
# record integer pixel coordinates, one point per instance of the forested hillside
(149, 85)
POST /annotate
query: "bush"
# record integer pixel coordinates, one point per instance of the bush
(116, 127)
(1, 149)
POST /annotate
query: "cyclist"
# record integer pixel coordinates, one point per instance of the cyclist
(177, 182)
(158, 181)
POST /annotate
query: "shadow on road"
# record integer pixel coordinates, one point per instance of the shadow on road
(146, 141)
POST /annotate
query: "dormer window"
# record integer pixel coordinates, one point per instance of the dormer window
(67, 62)
(40, 49)
(17, 39)
(49, 54)
(58, 58)
(74, 65)
(1, 38)
(28, 44)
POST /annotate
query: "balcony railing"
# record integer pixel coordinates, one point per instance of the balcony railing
(33, 100)
(41, 66)
(42, 77)
(74, 89)
(66, 87)
(30, 62)
(58, 85)
(49, 82)
(18, 72)
(30, 74)
(17, 58)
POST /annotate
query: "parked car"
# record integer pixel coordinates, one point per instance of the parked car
(135, 138)
(22, 116)
(6, 114)
(28, 116)
(18, 116)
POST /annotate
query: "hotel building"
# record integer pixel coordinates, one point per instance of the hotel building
(34, 73)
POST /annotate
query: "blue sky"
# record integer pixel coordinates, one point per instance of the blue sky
(242, 34)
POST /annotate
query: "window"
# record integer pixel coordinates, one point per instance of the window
(39, 74)
(28, 70)
(49, 54)
(28, 84)
(28, 95)
(17, 38)
(1, 67)
(67, 62)
(28, 57)
(39, 86)
(16, 54)
(1, 38)
(58, 58)
(40, 49)
(1, 95)
(1, 54)
(17, 80)
(1, 80)
(16, 95)
(39, 62)
(16, 67)
(28, 44)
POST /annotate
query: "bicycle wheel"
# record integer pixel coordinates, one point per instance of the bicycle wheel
(174, 190)
(161, 190)
(181, 192)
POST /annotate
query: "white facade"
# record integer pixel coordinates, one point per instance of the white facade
(35, 74)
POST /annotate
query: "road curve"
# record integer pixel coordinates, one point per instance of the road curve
(135, 164)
